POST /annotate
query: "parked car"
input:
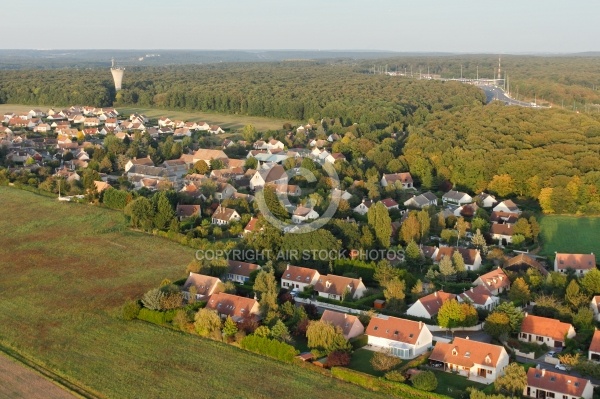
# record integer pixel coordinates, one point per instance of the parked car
(552, 354)
(560, 367)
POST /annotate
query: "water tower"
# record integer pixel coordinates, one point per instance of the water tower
(117, 74)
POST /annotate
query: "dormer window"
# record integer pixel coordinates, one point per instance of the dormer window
(467, 354)
(488, 359)
(454, 352)
(552, 378)
(376, 328)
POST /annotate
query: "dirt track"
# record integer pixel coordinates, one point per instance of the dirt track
(17, 381)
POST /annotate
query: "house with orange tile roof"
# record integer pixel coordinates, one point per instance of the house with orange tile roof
(580, 263)
(480, 297)
(348, 324)
(236, 307)
(496, 281)
(251, 226)
(594, 351)
(101, 186)
(548, 384)
(224, 216)
(403, 338)
(239, 272)
(523, 262)
(472, 359)
(339, 287)
(404, 179)
(544, 330)
(187, 211)
(502, 232)
(429, 305)
(205, 285)
(296, 277)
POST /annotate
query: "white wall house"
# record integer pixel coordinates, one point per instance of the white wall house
(296, 277)
(472, 359)
(543, 330)
(403, 338)
(547, 384)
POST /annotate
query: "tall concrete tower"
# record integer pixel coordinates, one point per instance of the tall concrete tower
(499, 69)
(117, 74)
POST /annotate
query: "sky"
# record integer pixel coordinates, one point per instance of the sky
(460, 26)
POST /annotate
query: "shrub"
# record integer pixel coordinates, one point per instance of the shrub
(269, 347)
(155, 316)
(384, 361)
(395, 376)
(425, 381)
(338, 358)
(131, 310)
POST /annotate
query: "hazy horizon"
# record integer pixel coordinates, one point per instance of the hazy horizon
(459, 27)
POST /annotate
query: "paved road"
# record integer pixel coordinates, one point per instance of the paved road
(495, 93)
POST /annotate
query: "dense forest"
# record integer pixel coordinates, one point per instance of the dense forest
(550, 155)
(570, 81)
(296, 91)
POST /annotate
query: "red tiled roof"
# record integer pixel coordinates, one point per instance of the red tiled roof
(433, 302)
(576, 261)
(337, 285)
(478, 295)
(342, 320)
(299, 274)
(495, 279)
(595, 345)
(402, 177)
(388, 202)
(545, 327)
(188, 210)
(467, 353)
(394, 328)
(237, 307)
(562, 383)
(502, 229)
(251, 224)
(241, 268)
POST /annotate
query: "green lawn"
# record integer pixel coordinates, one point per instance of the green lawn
(361, 361)
(66, 270)
(454, 385)
(226, 121)
(570, 234)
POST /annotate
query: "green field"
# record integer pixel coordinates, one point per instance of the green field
(66, 269)
(231, 122)
(570, 234)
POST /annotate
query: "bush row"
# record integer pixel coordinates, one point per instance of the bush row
(269, 347)
(367, 381)
(156, 316)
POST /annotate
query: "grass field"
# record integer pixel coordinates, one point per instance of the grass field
(454, 385)
(66, 269)
(361, 361)
(226, 121)
(17, 381)
(570, 234)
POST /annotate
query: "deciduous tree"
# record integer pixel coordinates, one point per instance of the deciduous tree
(513, 382)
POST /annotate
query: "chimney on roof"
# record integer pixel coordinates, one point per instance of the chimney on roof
(471, 289)
(543, 372)
(435, 293)
(287, 267)
(467, 337)
(526, 314)
(420, 325)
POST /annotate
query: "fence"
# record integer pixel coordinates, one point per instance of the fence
(477, 327)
